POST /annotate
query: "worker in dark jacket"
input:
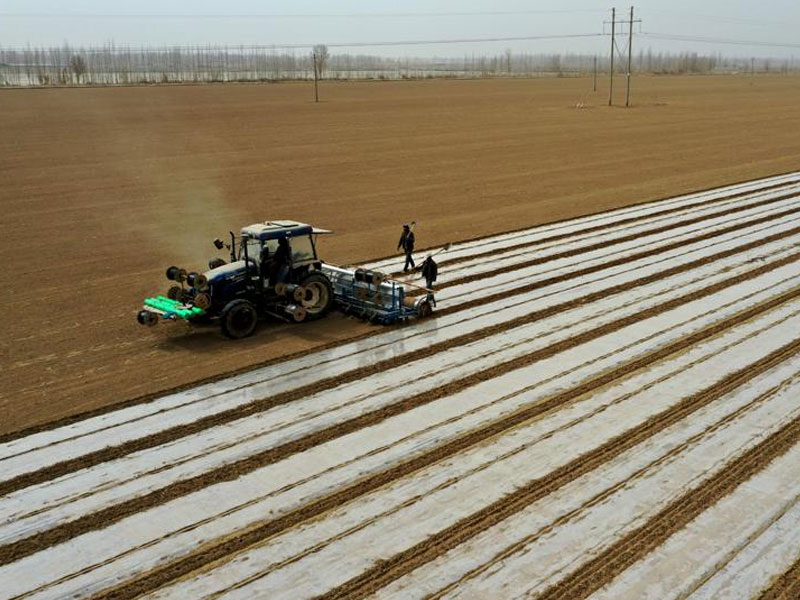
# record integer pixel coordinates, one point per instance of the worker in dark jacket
(407, 244)
(430, 270)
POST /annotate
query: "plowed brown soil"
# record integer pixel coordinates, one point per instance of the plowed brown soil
(786, 586)
(104, 188)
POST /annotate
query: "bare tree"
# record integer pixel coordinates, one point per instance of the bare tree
(77, 65)
(322, 56)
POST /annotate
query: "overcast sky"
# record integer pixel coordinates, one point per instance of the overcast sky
(278, 22)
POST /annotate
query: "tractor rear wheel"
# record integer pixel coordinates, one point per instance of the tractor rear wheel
(318, 298)
(238, 319)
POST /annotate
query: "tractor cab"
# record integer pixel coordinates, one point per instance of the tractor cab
(287, 242)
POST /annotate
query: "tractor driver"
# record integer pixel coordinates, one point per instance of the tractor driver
(264, 262)
(281, 261)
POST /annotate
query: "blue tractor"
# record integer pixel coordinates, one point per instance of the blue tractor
(274, 271)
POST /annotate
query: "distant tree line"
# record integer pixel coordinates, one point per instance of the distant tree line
(112, 65)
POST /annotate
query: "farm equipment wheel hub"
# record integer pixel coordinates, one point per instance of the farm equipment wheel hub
(318, 296)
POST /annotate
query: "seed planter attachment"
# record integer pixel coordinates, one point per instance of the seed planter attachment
(370, 295)
(171, 309)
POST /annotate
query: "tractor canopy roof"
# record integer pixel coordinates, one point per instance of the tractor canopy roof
(275, 230)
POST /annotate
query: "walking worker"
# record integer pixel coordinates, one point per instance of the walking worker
(407, 244)
(430, 270)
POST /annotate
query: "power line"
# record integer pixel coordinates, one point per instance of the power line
(167, 48)
(467, 40)
(720, 19)
(291, 16)
(654, 35)
(712, 40)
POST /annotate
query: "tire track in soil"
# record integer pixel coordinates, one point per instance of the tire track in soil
(618, 252)
(593, 269)
(639, 543)
(27, 546)
(608, 244)
(594, 228)
(620, 240)
(785, 586)
(669, 520)
(112, 452)
(175, 389)
(243, 539)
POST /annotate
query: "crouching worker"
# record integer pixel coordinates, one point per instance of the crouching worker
(430, 270)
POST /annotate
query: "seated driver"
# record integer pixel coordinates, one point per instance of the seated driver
(281, 262)
(264, 262)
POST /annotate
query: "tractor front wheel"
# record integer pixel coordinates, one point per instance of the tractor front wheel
(318, 295)
(238, 319)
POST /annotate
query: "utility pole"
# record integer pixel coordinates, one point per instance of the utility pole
(613, 31)
(630, 23)
(594, 83)
(630, 52)
(316, 92)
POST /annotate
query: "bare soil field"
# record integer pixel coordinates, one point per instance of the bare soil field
(104, 188)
